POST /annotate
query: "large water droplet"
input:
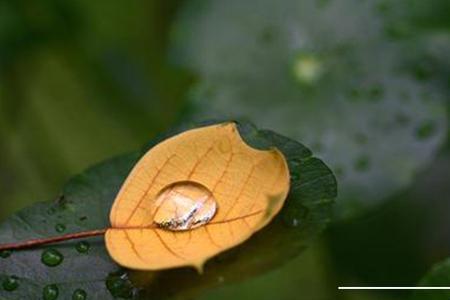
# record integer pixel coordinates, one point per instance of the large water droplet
(52, 257)
(79, 294)
(5, 253)
(50, 292)
(183, 206)
(10, 283)
(83, 247)
(119, 286)
(60, 228)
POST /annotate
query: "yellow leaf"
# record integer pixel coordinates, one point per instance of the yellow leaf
(193, 196)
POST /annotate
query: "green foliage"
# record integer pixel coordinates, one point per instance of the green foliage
(85, 204)
(312, 71)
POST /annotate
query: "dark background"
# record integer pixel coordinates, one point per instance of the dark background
(81, 81)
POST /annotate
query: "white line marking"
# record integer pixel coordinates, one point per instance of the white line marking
(394, 287)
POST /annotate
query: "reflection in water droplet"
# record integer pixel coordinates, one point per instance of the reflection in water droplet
(83, 247)
(79, 294)
(183, 206)
(362, 163)
(119, 285)
(5, 253)
(60, 228)
(50, 292)
(425, 130)
(10, 283)
(51, 257)
(307, 68)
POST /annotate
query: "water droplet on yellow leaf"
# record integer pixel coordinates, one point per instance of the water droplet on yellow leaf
(194, 196)
(183, 206)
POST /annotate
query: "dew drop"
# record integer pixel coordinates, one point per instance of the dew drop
(425, 130)
(293, 215)
(184, 205)
(51, 257)
(79, 294)
(307, 68)
(5, 253)
(119, 286)
(362, 163)
(83, 247)
(10, 283)
(60, 228)
(50, 292)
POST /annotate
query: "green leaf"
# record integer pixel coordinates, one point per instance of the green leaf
(313, 72)
(439, 275)
(86, 203)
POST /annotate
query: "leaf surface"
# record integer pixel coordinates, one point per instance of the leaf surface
(87, 202)
(249, 186)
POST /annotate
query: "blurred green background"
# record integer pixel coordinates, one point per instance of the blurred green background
(365, 84)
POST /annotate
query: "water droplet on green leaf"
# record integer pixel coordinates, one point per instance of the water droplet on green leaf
(50, 292)
(52, 257)
(83, 247)
(79, 294)
(10, 283)
(119, 286)
(293, 215)
(5, 253)
(60, 228)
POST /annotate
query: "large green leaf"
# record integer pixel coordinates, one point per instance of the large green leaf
(85, 205)
(313, 71)
(438, 276)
